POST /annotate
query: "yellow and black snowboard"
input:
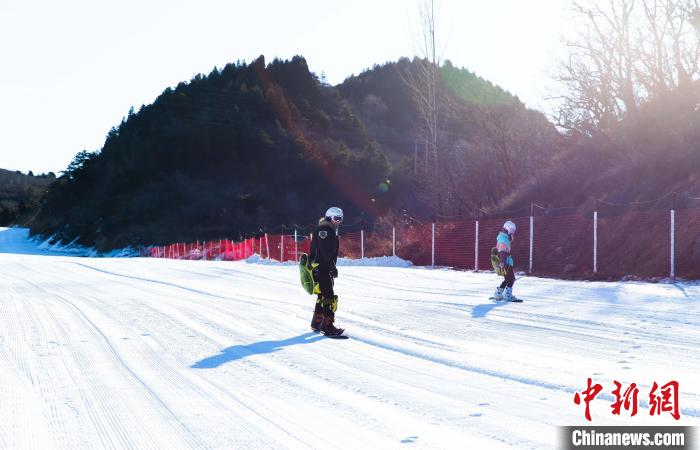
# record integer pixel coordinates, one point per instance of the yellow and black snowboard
(500, 271)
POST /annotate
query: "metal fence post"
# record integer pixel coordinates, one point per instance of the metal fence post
(432, 261)
(267, 246)
(362, 244)
(393, 241)
(296, 246)
(673, 244)
(476, 246)
(282, 246)
(595, 241)
(532, 238)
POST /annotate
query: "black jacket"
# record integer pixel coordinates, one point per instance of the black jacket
(324, 246)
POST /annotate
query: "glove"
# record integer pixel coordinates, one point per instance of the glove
(501, 265)
(334, 272)
(334, 305)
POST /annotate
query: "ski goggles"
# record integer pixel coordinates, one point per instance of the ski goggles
(338, 219)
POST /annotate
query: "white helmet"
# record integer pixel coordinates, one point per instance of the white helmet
(335, 213)
(509, 227)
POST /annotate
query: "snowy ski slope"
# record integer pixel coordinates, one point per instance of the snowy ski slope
(165, 354)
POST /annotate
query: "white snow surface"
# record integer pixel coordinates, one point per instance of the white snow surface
(166, 354)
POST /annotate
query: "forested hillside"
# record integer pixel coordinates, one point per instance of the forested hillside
(243, 147)
(486, 143)
(20, 195)
(251, 147)
(256, 145)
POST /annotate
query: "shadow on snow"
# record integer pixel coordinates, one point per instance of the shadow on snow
(480, 311)
(241, 351)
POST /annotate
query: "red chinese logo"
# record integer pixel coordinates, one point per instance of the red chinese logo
(627, 400)
(667, 401)
(663, 399)
(588, 395)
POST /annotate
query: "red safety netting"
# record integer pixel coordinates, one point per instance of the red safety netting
(454, 244)
(194, 251)
(631, 243)
(267, 247)
(619, 250)
(378, 242)
(687, 243)
(211, 250)
(350, 245)
(413, 243)
(274, 245)
(294, 248)
(228, 250)
(562, 245)
(258, 246)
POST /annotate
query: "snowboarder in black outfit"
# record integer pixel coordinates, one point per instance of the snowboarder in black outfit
(323, 255)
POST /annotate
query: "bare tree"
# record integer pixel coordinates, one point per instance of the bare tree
(422, 78)
(627, 52)
(669, 54)
(597, 76)
(695, 15)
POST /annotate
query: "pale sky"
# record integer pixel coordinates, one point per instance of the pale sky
(70, 70)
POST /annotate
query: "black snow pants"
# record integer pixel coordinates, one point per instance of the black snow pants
(509, 277)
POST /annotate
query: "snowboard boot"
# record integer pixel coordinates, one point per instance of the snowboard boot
(498, 295)
(508, 295)
(328, 328)
(317, 319)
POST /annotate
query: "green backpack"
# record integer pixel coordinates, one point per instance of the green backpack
(306, 275)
